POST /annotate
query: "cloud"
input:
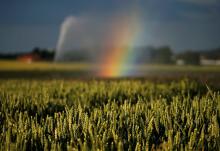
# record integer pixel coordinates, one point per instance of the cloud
(201, 2)
(200, 10)
(201, 15)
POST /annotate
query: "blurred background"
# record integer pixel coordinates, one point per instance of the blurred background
(153, 39)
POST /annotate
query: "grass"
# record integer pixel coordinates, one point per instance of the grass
(38, 111)
(108, 115)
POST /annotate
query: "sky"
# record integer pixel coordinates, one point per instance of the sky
(181, 24)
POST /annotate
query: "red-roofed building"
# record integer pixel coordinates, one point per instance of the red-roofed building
(29, 58)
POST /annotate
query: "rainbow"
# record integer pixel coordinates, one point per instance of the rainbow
(120, 55)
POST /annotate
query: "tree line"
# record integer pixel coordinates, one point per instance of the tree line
(149, 55)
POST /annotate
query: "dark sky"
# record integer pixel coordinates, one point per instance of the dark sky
(182, 24)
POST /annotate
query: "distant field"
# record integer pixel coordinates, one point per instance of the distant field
(52, 70)
(48, 66)
(6, 65)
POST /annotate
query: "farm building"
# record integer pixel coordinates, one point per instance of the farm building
(28, 58)
(204, 60)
